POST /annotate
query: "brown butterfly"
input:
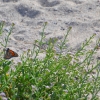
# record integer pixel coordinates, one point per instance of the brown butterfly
(9, 54)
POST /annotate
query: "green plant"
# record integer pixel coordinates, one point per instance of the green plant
(55, 77)
(8, 35)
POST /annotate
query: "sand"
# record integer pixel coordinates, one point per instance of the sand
(29, 16)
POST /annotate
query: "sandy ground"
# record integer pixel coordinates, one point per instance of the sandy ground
(29, 15)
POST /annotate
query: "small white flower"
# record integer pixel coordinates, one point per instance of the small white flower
(62, 85)
(34, 87)
(65, 91)
(48, 87)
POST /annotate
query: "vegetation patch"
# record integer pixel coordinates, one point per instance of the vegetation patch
(55, 77)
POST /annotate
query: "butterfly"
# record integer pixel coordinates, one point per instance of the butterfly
(9, 54)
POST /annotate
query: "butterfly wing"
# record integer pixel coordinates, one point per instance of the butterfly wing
(10, 53)
(13, 54)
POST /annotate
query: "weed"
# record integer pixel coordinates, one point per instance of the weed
(55, 77)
